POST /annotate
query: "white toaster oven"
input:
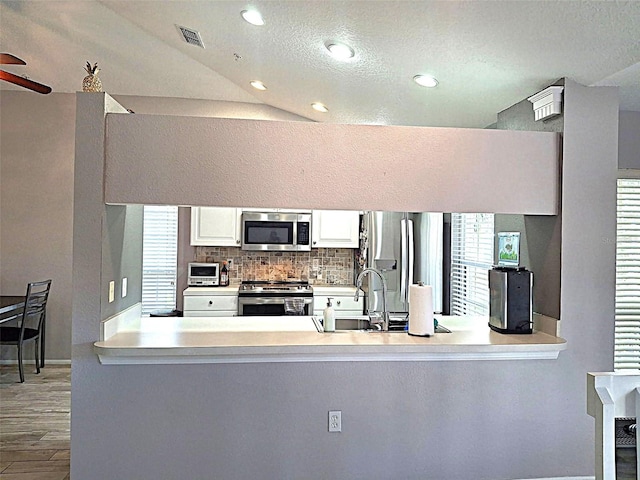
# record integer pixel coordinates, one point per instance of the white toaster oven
(203, 274)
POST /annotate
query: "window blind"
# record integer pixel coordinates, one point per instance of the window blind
(471, 258)
(159, 258)
(627, 319)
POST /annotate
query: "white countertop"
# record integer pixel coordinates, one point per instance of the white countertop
(165, 340)
(173, 325)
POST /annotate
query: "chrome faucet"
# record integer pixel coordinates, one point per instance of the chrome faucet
(385, 313)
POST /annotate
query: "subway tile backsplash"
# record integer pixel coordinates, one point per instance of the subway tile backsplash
(320, 266)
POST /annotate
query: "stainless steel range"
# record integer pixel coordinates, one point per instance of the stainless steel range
(275, 298)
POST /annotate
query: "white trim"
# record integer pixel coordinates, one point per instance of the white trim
(611, 395)
(108, 357)
(562, 478)
(547, 103)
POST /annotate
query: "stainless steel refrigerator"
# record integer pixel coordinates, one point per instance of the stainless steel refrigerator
(406, 248)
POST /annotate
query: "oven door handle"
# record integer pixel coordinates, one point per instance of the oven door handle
(270, 301)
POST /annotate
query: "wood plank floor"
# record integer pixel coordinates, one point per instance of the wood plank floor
(34, 423)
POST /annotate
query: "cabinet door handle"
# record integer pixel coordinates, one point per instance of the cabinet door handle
(338, 303)
(314, 242)
(210, 302)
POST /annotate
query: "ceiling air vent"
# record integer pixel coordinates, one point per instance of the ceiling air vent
(191, 36)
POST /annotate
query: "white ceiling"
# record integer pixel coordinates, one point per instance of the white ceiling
(487, 55)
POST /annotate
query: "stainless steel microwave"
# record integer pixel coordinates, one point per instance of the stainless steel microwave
(274, 231)
(203, 274)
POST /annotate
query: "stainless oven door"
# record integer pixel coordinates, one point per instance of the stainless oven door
(271, 306)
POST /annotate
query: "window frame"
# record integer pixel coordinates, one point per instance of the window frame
(159, 258)
(472, 256)
(627, 289)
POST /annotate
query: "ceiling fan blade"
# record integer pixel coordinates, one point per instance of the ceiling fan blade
(8, 59)
(24, 82)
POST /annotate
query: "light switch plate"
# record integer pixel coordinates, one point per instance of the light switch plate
(112, 291)
(124, 287)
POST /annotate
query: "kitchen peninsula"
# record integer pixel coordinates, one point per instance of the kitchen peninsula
(257, 420)
(129, 338)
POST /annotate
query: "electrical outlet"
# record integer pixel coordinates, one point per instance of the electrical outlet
(112, 291)
(229, 263)
(335, 421)
(124, 287)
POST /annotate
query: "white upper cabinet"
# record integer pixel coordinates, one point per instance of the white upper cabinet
(216, 226)
(221, 227)
(335, 229)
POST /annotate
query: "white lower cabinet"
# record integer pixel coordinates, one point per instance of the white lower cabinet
(210, 302)
(223, 301)
(342, 301)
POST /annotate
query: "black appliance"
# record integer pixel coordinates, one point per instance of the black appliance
(510, 300)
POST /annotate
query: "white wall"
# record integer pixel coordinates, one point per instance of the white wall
(442, 420)
(253, 163)
(587, 306)
(204, 108)
(36, 200)
(37, 144)
(542, 240)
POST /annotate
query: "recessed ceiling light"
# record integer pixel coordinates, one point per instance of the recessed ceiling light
(425, 81)
(258, 85)
(320, 107)
(253, 17)
(340, 51)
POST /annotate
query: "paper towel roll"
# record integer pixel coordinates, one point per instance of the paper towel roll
(421, 310)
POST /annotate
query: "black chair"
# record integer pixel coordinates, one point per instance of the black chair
(30, 323)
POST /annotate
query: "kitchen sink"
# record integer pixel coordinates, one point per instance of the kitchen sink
(354, 323)
(363, 324)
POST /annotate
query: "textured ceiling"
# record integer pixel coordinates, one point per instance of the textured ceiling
(487, 55)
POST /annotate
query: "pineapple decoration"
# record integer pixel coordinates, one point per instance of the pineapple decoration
(91, 83)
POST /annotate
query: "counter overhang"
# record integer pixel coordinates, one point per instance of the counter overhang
(186, 341)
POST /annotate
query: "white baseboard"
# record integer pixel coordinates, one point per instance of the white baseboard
(33, 362)
(562, 478)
